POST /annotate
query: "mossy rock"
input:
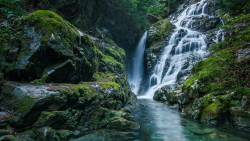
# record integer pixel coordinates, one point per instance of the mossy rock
(46, 45)
(64, 134)
(211, 112)
(121, 123)
(158, 32)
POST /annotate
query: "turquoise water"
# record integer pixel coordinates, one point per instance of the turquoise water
(160, 122)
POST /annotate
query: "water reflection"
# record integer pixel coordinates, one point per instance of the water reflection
(161, 123)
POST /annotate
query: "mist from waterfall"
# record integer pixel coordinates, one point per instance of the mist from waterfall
(136, 74)
(185, 46)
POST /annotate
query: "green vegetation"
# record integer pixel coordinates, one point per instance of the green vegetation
(12, 8)
(233, 7)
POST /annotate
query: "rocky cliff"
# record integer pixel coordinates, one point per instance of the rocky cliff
(60, 82)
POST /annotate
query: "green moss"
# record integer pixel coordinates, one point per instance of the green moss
(89, 41)
(49, 22)
(114, 53)
(107, 85)
(111, 42)
(103, 77)
(25, 104)
(211, 111)
(233, 103)
(41, 80)
(162, 29)
(113, 65)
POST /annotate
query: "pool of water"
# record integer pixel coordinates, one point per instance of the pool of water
(160, 122)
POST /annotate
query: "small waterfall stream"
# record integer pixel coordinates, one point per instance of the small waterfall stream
(185, 46)
(135, 76)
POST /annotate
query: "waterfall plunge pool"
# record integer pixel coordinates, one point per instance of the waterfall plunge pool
(160, 122)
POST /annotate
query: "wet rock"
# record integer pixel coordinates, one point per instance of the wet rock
(7, 138)
(28, 135)
(121, 123)
(54, 119)
(47, 134)
(159, 96)
(5, 119)
(243, 53)
(211, 113)
(31, 100)
(64, 134)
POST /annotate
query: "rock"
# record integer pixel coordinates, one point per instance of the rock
(243, 53)
(7, 138)
(31, 100)
(47, 134)
(159, 96)
(64, 134)
(158, 32)
(5, 119)
(121, 123)
(54, 119)
(211, 113)
(61, 55)
(28, 135)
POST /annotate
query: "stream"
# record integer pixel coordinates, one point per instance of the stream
(160, 122)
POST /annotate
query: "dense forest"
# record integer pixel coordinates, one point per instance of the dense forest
(69, 70)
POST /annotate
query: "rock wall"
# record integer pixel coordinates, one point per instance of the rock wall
(61, 82)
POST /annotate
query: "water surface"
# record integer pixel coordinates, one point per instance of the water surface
(160, 122)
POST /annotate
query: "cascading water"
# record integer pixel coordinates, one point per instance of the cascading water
(135, 77)
(185, 45)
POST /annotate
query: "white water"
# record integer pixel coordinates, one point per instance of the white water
(135, 77)
(185, 45)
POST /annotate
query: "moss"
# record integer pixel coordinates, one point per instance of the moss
(112, 64)
(41, 80)
(25, 104)
(114, 53)
(161, 30)
(233, 103)
(211, 111)
(111, 42)
(107, 85)
(103, 77)
(49, 22)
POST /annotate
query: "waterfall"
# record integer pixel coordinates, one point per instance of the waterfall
(185, 48)
(135, 76)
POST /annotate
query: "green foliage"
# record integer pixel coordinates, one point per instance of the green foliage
(233, 7)
(12, 7)
(132, 14)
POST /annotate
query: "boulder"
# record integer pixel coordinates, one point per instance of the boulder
(121, 123)
(49, 54)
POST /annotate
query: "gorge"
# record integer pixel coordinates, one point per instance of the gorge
(124, 70)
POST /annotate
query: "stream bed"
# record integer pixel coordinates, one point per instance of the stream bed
(160, 122)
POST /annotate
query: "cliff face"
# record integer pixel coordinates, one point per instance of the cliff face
(66, 82)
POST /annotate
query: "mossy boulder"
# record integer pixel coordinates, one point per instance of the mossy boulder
(49, 48)
(121, 123)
